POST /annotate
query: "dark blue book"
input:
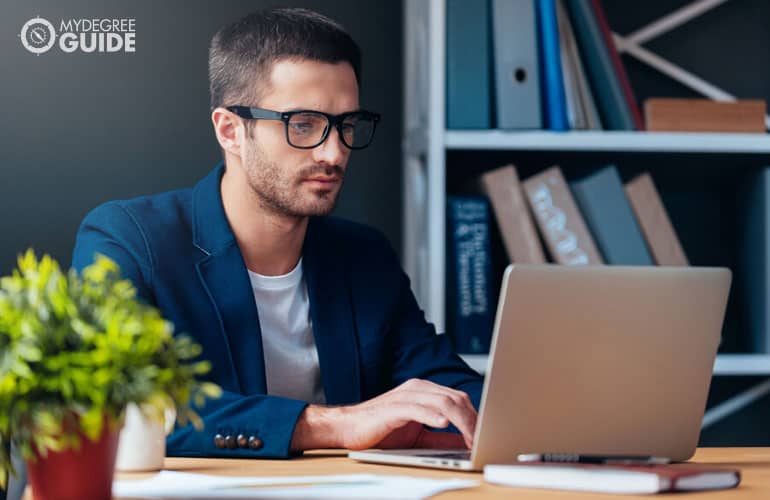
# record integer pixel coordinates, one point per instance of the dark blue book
(468, 56)
(605, 83)
(554, 99)
(470, 307)
(754, 264)
(608, 215)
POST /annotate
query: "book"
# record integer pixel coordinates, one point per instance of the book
(753, 276)
(469, 274)
(617, 64)
(559, 220)
(468, 84)
(509, 205)
(553, 98)
(654, 222)
(517, 75)
(602, 200)
(704, 115)
(628, 479)
(605, 84)
(581, 108)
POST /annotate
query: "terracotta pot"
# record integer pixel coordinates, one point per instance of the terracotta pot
(82, 474)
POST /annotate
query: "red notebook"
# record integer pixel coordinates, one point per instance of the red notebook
(629, 479)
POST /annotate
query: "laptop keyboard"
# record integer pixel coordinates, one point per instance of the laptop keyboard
(454, 455)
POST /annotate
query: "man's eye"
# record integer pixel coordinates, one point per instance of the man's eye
(302, 126)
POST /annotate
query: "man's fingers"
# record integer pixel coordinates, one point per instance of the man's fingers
(425, 402)
(444, 440)
(402, 413)
(419, 385)
(457, 414)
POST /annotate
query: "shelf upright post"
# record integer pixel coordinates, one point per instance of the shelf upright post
(436, 159)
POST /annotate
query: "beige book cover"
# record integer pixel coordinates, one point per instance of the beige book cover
(705, 115)
(559, 219)
(654, 222)
(520, 238)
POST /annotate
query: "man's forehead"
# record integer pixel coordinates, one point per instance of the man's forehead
(292, 68)
(306, 82)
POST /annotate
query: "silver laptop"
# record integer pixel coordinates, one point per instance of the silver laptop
(610, 361)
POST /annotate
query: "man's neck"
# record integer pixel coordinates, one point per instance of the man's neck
(270, 242)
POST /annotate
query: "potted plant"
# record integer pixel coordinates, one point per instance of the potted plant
(75, 349)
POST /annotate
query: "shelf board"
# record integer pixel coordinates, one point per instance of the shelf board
(726, 364)
(614, 141)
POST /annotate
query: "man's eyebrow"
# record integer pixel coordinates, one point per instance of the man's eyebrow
(356, 110)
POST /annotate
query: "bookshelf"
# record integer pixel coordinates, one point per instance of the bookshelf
(608, 141)
(428, 147)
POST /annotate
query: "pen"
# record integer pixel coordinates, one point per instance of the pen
(593, 459)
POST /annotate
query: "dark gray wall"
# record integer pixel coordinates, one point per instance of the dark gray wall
(729, 46)
(79, 129)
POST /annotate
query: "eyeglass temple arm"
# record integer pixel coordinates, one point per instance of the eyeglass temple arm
(248, 112)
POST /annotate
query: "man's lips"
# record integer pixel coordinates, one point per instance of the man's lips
(324, 180)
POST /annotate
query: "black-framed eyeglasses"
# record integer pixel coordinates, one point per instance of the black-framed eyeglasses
(307, 129)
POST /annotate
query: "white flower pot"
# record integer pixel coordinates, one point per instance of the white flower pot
(142, 445)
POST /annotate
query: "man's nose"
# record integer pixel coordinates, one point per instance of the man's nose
(332, 151)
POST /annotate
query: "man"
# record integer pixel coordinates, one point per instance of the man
(308, 320)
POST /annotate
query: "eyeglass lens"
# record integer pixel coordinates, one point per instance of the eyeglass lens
(308, 130)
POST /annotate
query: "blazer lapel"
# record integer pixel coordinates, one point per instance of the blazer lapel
(331, 312)
(223, 274)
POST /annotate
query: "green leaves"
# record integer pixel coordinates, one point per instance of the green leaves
(78, 348)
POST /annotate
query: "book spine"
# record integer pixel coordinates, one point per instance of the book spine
(617, 63)
(654, 222)
(607, 90)
(468, 71)
(754, 264)
(469, 280)
(604, 205)
(517, 228)
(558, 218)
(516, 68)
(553, 94)
(587, 116)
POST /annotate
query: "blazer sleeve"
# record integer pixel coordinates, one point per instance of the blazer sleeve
(418, 351)
(113, 231)
(270, 419)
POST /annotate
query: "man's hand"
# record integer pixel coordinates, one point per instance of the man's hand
(393, 420)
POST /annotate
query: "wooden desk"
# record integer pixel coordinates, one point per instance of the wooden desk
(754, 464)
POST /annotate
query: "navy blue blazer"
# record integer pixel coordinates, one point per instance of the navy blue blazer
(180, 253)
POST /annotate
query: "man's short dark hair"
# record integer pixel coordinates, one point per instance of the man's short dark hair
(242, 53)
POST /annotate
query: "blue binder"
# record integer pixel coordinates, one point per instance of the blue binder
(554, 100)
(468, 86)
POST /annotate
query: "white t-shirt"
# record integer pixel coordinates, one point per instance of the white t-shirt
(291, 357)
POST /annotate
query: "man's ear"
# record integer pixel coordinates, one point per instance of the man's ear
(226, 128)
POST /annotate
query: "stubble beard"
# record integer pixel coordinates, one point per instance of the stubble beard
(286, 194)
